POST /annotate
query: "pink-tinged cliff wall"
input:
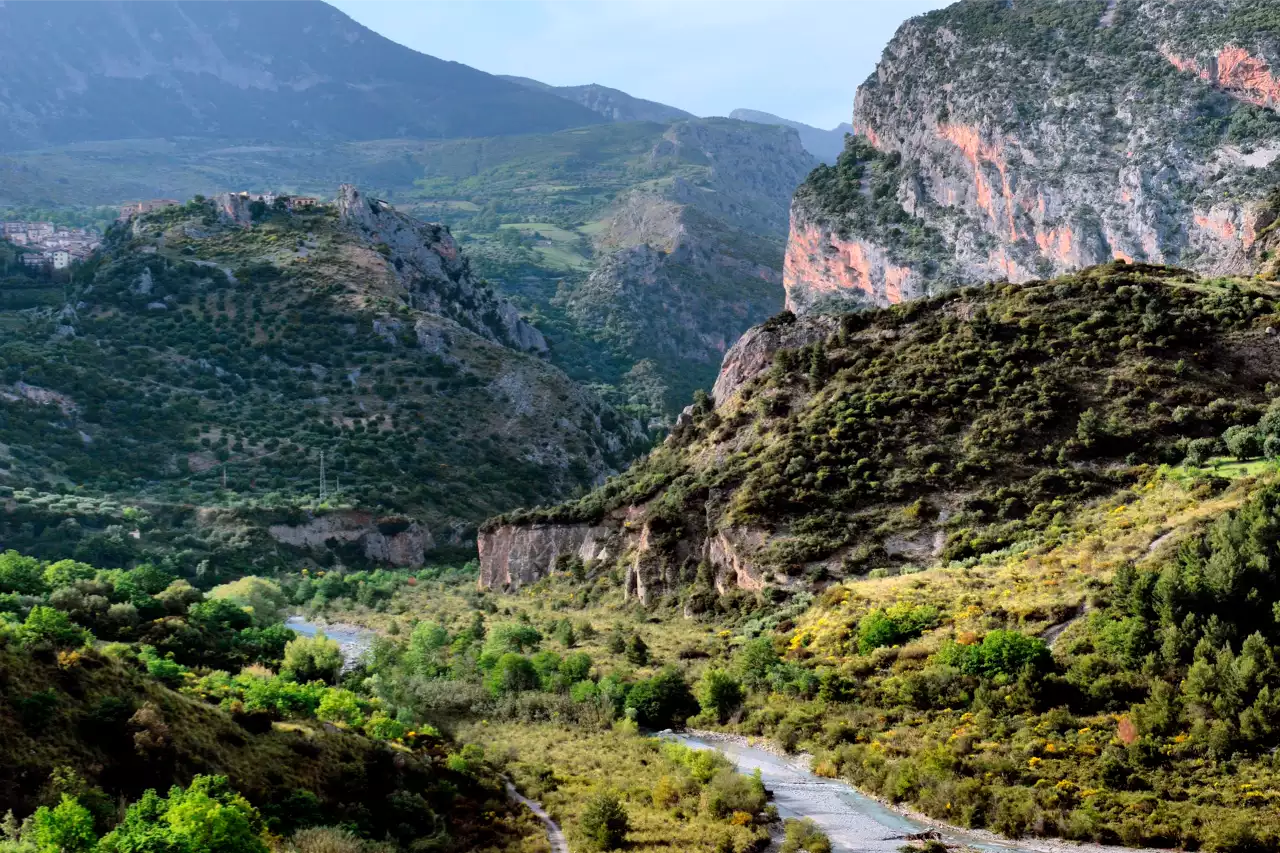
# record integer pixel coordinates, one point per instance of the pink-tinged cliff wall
(1234, 70)
(821, 266)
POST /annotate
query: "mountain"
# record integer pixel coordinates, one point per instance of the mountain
(279, 71)
(825, 145)
(644, 250)
(931, 432)
(613, 104)
(1016, 141)
(220, 357)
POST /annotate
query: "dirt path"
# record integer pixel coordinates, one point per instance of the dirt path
(554, 835)
(1051, 634)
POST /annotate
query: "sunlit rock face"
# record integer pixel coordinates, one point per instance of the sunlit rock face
(1146, 133)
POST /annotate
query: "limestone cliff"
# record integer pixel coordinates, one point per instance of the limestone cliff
(426, 260)
(1018, 141)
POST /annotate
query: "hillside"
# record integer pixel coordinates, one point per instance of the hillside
(825, 145)
(938, 430)
(285, 72)
(643, 249)
(613, 104)
(1001, 555)
(218, 353)
(630, 241)
(1017, 141)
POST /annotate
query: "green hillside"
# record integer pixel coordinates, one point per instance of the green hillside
(1003, 555)
(199, 363)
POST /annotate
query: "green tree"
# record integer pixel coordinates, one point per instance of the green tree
(756, 662)
(426, 646)
(67, 572)
(604, 822)
(1243, 442)
(663, 701)
(45, 626)
(637, 650)
(340, 706)
(1201, 450)
(65, 828)
(719, 694)
(312, 659)
(262, 599)
(23, 575)
(512, 673)
(512, 637)
(207, 817)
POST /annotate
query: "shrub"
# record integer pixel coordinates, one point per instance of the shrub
(604, 822)
(719, 694)
(730, 791)
(312, 659)
(511, 674)
(1001, 652)
(803, 836)
(894, 626)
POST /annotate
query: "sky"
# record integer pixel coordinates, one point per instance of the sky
(799, 59)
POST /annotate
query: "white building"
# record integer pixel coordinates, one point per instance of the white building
(61, 259)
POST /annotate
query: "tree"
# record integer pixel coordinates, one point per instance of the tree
(565, 634)
(65, 828)
(67, 572)
(312, 659)
(52, 628)
(756, 662)
(637, 650)
(604, 822)
(23, 575)
(260, 598)
(512, 673)
(425, 645)
(340, 706)
(512, 637)
(207, 817)
(1243, 442)
(719, 694)
(663, 701)
(1200, 450)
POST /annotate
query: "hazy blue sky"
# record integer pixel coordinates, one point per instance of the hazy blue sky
(800, 59)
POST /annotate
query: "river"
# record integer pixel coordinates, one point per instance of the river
(854, 822)
(352, 639)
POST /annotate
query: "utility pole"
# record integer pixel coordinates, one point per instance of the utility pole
(224, 476)
(324, 493)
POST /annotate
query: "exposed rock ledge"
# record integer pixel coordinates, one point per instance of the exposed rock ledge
(512, 556)
(394, 541)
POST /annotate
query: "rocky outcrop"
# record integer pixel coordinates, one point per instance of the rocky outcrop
(517, 555)
(821, 268)
(753, 353)
(392, 541)
(1024, 166)
(426, 260)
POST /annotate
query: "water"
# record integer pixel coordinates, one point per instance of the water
(855, 823)
(352, 640)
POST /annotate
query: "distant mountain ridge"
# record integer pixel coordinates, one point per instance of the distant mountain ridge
(826, 145)
(284, 71)
(613, 104)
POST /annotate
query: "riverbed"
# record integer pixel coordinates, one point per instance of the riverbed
(352, 640)
(854, 822)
